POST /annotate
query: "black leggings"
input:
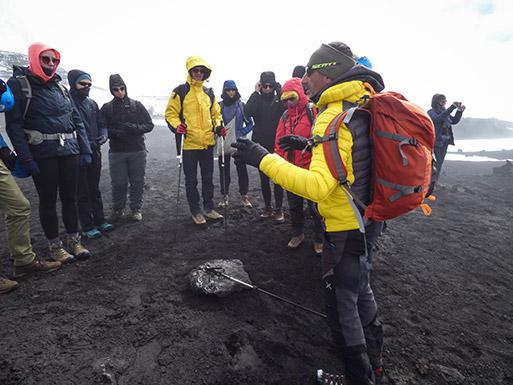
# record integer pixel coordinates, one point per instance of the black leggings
(242, 173)
(266, 192)
(57, 174)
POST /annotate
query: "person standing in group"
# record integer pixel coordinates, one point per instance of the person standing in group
(127, 121)
(237, 126)
(443, 121)
(192, 111)
(16, 209)
(298, 72)
(265, 108)
(90, 204)
(50, 139)
(335, 82)
(297, 120)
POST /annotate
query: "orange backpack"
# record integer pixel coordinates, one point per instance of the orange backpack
(402, 138)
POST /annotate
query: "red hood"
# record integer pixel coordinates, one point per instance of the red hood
(294, 84)
(34, 52)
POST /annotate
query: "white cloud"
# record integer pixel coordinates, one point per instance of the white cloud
(457, 47)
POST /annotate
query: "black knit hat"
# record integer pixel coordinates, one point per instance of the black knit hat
(268, 77)
(331, 61)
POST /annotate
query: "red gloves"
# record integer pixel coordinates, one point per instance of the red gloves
(221, 131)
(181, 129)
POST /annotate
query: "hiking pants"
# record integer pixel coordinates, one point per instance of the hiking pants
(125, 168)
(297, 216)
(205, 159)
(242, 173)
(350, 305)
(57, 174)
(440, 152)
(16, 210)
(265, 184)
(90, 205)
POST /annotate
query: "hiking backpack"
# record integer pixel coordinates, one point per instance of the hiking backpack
(183, 89)
(402, 138)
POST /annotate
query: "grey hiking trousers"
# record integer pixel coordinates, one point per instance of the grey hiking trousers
(350, 305)
(127, 168)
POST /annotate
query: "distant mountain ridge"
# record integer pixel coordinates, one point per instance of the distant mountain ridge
(476, 128)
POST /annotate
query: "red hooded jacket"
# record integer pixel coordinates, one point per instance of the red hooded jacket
(297, 122)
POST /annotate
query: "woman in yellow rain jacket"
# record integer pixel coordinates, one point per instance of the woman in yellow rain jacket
(334, 81)
(193, 112)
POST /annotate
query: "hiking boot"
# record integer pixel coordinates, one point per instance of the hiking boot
(318, 248)
(279, 216)
(213, 215)
(92, 234)
(380, 376)
(117, 215)
(199, 219)
(329, 379)
(224, 202)
(106, 227)
(136, 216)
(58, 254)
(245, 201)
(295, 241)
(36, 266)
(75, 247)
(6, 285)
(267, 213)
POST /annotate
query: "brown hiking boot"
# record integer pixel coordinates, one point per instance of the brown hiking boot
(295, 241)
(279, 216)
(213, 215)
(267, 213)
(6, 285)
(58, 254)
(36, 266)
(199, 219)
(75, 247)
(245, 201)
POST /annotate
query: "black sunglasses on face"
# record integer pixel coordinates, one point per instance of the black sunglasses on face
(85, 84)
(267, 86)
(117, 89)
(230, 89)
(196, 70)
(48, 59)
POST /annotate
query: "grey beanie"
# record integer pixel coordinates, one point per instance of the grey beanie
(330, 62)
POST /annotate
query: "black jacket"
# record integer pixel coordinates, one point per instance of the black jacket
(91, 116)
(127, 121)
(266, 111)
(49, 112)
(443, 121)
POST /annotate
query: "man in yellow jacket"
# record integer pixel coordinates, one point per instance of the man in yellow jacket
(334, 82)
(192, 111)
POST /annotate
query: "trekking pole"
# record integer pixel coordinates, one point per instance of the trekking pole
(216, 270)
(223, 176)
(180, 165)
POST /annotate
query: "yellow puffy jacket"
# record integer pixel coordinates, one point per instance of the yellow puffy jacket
(317, 183)
(200, 114)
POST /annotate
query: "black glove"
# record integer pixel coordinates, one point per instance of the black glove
(8, 157)
(102, 139)
(248, 152)
(292, 142)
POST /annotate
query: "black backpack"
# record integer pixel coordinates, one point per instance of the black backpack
(183, 89)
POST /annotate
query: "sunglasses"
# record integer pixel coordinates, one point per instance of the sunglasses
(85, 84)
(292, 100)
(117, 89)
(48, 59)
(196, 70)
(267, 86)
(230, 89)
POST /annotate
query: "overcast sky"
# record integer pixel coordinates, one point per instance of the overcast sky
(462, 48)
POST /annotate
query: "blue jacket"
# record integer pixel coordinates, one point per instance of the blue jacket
(49, 112)
(243, 126)
(91, 117)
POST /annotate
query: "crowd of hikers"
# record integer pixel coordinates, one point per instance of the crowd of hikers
(310, 138)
